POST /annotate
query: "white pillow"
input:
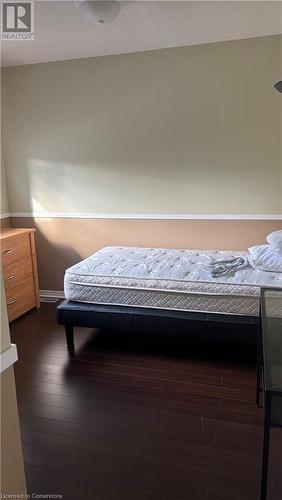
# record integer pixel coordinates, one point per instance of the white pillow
(275, 240)
(265, 258)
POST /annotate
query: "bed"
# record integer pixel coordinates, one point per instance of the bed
(124, 286)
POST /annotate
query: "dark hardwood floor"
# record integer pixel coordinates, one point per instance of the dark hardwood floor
(138, 419)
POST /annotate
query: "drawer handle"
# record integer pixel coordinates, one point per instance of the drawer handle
(11, 302)
(6, 252)
(10, 277)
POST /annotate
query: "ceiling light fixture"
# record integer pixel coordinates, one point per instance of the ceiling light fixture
(100, 11)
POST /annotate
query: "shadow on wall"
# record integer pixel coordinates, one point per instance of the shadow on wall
(53, 258)
(55, 250)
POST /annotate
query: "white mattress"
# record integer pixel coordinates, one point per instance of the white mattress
(166, 279)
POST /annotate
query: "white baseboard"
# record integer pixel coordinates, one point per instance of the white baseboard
(8, 357)
(51, 295)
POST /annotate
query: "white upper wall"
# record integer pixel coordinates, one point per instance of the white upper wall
(193, 129)
(4, 203)
(62, 32)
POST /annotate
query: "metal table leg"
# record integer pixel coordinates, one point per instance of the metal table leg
(266, 440)
(259, 362)
(259, 368)
(258, 375)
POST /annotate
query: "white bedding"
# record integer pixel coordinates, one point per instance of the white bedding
(166, 279)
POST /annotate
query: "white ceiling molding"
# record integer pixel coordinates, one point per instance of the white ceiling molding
(144, 216)
(62, 32)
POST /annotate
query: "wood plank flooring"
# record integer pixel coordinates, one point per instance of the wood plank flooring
(132, 418)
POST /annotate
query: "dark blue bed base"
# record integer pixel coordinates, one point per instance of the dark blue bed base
(194, 325)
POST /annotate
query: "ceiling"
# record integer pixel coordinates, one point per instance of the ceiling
(62, 32)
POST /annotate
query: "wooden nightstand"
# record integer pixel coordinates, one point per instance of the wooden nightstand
(19, 267)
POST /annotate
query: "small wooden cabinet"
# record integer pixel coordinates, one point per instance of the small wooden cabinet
(19, 269)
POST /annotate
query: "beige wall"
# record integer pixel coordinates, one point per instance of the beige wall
(194, 129)
(12, 479)
(12, 469)
(5, 340)
(63, 242)
(191, 130)
(4, 204)
(5, 222)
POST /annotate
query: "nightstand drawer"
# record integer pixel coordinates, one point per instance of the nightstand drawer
(17, 272)
(16, 248)
(20, 299)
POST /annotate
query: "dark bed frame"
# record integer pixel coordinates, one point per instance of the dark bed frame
(194, 325)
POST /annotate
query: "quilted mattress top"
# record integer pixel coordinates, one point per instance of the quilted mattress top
(166, 268)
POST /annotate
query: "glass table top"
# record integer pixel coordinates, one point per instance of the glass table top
(271, 313)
